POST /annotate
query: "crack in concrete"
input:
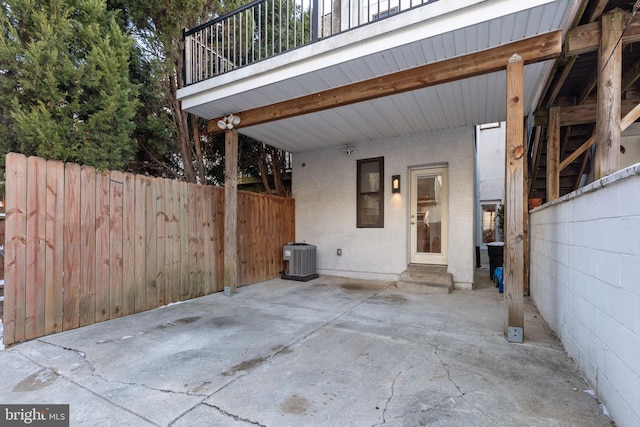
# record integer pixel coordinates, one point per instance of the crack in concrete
(446, 367)
(235, 417)
(393, 383)
(386, 404)
(461, 394)
(84, 357)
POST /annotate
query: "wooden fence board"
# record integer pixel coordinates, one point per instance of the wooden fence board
(102, 246)
(88, 246)
(128, 244)
(193, 241)
(151, 288)
(160, 241)
(54, 256)
(176, 253)
(95, 246)
(15, 249)
(199, 221)
(139, 255)
(116, 188)
(263, 246)
(72, 256)
(168, 241)
(184, 242)
(256, 232)
(208, 245)
(36, 210)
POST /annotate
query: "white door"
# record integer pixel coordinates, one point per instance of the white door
(429, 216)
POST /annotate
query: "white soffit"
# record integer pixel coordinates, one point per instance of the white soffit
(462, 103)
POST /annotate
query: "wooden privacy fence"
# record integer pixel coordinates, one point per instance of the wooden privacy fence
(83, 246)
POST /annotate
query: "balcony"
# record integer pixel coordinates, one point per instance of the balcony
(309, 51)
(266, 28)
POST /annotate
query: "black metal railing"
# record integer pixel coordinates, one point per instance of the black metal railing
(265, 28)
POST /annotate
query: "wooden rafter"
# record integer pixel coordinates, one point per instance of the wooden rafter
(534, 49)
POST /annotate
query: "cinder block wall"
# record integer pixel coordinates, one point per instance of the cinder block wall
(585, 281)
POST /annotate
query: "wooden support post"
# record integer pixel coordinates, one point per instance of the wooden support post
(514, 206)
(607, 158)
(525, 214)
(230, 211)
(553, 155)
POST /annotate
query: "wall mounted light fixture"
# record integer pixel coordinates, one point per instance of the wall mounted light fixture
(228, 122)
(395, 184)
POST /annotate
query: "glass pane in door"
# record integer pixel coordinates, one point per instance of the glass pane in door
(429, 214)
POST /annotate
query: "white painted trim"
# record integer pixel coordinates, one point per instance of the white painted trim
(370, 39)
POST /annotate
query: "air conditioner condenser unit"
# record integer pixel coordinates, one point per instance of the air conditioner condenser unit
(302, 262)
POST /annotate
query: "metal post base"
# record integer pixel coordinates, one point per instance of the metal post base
(227, 291)
(515, 334)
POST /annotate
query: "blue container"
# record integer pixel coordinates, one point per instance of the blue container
(498, 278)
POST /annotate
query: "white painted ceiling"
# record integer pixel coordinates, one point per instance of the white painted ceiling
(461, 103)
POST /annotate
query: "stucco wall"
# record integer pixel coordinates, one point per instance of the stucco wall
(324, 186)
(585, 280)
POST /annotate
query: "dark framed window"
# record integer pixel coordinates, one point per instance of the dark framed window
(370, 204)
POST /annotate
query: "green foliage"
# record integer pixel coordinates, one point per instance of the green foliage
(64, 82)
(500, 219)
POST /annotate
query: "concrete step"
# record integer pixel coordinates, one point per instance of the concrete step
(429, 279)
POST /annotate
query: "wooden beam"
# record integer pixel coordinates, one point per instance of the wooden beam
(586, 38)
(535, 159)
(583, 167)
(590, 85)
(230, 211)
(514, 206)
(630, 76)
(566, 70)
(607, 158)
(553, 155)
(630, 118)
(534, 49)
(581, 114)
(571, 157)
(597, 9)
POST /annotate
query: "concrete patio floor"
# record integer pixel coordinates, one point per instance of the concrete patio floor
(328, 352)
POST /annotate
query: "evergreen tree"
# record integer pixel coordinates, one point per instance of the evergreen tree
(65, 91)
